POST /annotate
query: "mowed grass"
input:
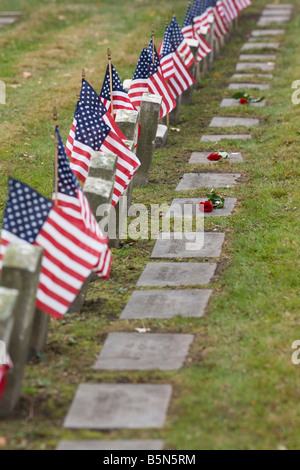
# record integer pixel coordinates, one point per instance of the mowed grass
(238, 388)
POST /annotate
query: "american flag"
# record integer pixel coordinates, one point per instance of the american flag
(230, 10)
(241, 4)
(204, 48)
(156, 55)
(139, 83)
(120, 97)
(220, 26)
(179, 43)
(187, 28)
(200, 17)
(71, 251)
(158, 86)
(93, 134)
(167, 60)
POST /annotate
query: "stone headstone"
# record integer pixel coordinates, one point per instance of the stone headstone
(8, 299)
(149, 116)
(172, 247)
(251, 86)
(161, 136)
(119, 406)
(267, 32)
(228, 102)
(187, 95)
(174, 115)
(233, 122)
(21, 271)
(260, 45)
(128, 121)
(257, 57)
(218, 137)
(135, 351)
(167, 304)
(2, 93)
(154, 444)
(178, 203)
(201, 157)
(103, 166)
(39, 333)
(255, 65)
(176, 274)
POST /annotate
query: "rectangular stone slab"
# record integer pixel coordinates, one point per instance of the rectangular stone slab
(255, 65)
(136, 351)
(201, 157)
(207, 180)
(119, 406)
(267, 32)
(257, 57)
(254, 86)
(176, 274)
(260, 45)
(172, 248)
(154, 444)
(218, 137)
(233, 122)
(178, 203)
(227, 102)
(267, 21)
(167, 304)
(251, 75)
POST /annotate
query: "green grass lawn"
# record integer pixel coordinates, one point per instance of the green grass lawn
(238, 388)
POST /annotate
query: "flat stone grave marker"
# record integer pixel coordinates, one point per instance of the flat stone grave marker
(286, 6)
(136, 351)
(7, 20)
(2, 92)
(233, 122)
(179, 248)
(251, 75)
(154, 444)
(260, 45)
(201, 157)
(267, 32)
(119, 406)
(276, 12)
(267, 20)
(257, 57)
(254, 86)
(177, 207)
(167, 304)
(218, 137)
(176, 274)
(255, 65)
(207, 180)
(227, 102)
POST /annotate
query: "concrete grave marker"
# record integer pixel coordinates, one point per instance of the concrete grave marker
(267, 32)
(2, 93)
(201, 157)
(207, 180)
(255, 65)
(260, 45)
(21, 271)
(233, 122)
(135, 351)
(269, 20)
(228, 102)
(250, 86)
(194, 69)
(176, 274)
(154, 444)
(177, 203)
(257, 57)
(251, 75)
(128, 121)
(8, 299)
(119, 406)
(179, 248)
(218, 137)
(161, 136)
(167, 304)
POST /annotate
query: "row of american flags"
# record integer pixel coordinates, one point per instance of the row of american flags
(65, 226)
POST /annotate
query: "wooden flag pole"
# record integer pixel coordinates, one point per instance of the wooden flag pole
(153, 45)
(55, 117)
(83, 74)
(111, 83)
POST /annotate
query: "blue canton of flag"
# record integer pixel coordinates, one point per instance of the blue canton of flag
(180, 44)
(120, 97)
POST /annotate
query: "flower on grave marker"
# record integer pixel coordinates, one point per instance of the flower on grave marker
(206, 206)
(217, 202)
(245, 98)
(214, 157)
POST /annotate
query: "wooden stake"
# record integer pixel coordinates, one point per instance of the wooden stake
(55, 157)
(111, 82)
(153, 45)
(83, 74)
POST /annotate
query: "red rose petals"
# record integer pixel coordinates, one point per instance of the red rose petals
(214, 157)
(206, 206)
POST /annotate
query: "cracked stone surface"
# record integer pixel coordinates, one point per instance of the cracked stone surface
(201, 157)
(119, 406)
(176, 274)
(137, 351)
(167, 304)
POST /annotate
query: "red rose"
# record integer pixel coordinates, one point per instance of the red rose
(214, 157)
(243, 101)
(206, 206)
